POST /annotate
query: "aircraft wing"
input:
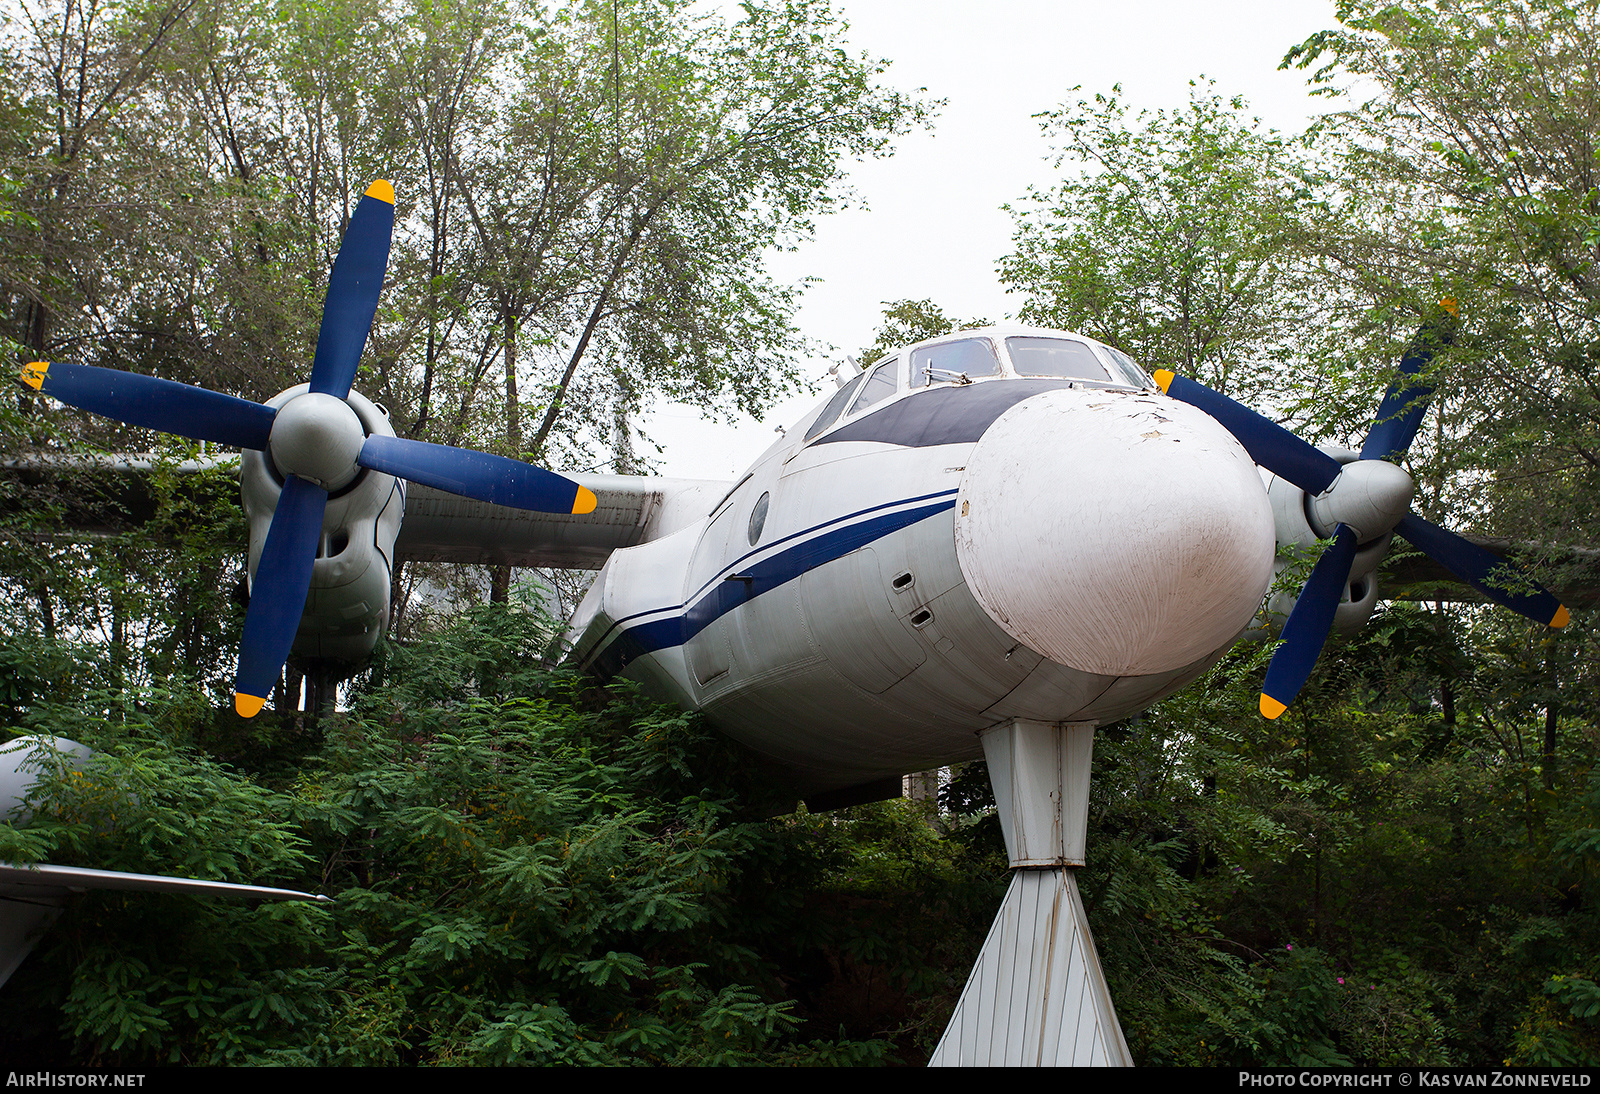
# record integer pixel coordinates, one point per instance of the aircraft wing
(632, 509)
(438, 526)
(1575, 579)
(104, 494)
(39, 881)
(31, 897)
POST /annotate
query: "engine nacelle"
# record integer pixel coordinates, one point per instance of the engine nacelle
(347, 607)
(1291, 517)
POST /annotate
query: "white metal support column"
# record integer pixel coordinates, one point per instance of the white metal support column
(1037, 995)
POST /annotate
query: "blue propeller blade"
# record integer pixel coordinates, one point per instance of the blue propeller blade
(1307, 629)
(476, 475)
(353, 289)
(1494, 577)
(1400, 414)
(278, 593)
(1268, 443)
(145, 401)
(283, 572)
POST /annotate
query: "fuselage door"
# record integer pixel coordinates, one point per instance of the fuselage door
(709, 592)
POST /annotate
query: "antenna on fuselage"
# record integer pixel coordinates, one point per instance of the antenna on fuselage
(845, 371)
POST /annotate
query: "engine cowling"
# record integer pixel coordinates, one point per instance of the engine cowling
(1292, 514)
(347, 608)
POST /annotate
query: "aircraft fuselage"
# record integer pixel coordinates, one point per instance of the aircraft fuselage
(873, 593)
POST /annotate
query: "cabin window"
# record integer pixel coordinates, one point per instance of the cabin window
(1056, 357)
(881, 383)
(968, 358)
(835, 407)
(758, 518)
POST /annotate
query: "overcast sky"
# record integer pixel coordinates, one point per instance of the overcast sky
(934, 227)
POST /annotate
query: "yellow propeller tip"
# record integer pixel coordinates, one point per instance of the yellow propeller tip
(1561, 618)
(381, 190)
(1449, 304)
(248, 706)
(1270, 707)
(33, 373)
(1164, 378)
(585, 501)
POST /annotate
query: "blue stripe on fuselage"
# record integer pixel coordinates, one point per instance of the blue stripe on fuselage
(744, 584)
(736, 563)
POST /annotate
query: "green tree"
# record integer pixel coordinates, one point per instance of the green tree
(726, 140)
(593, 185)
(909, 321)
(527, 871)
(1472, 173)
(99, 253)
(1174, 236)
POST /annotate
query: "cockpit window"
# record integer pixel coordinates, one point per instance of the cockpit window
(835, 407)
(881, 383)
(968, 357)
(1059, 357)
(1129, 367)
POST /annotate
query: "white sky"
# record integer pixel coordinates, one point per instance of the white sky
(934, 228)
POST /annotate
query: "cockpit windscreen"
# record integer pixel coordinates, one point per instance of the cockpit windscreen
(1058, 357)
(1130, 368)
(965, 359)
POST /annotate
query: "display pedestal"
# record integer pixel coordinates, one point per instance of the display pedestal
(1037, 996)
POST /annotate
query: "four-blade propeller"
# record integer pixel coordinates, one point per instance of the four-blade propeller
(1358, 503)
(316, 441)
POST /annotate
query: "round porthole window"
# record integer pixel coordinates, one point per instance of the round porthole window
(758, 518)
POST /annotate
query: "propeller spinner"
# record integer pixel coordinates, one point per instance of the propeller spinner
(315, 439)
(1357, 503)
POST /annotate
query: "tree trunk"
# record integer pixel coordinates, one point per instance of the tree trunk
(513, 410)
(622, 459)
(293, 678)
(1551, 721)
(500, 576)
(46, 609)
(596, 313)
(397, 600)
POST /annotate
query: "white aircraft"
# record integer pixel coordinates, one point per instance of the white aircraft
(984, 544)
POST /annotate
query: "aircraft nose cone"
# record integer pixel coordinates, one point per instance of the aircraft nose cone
(1117, 534)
